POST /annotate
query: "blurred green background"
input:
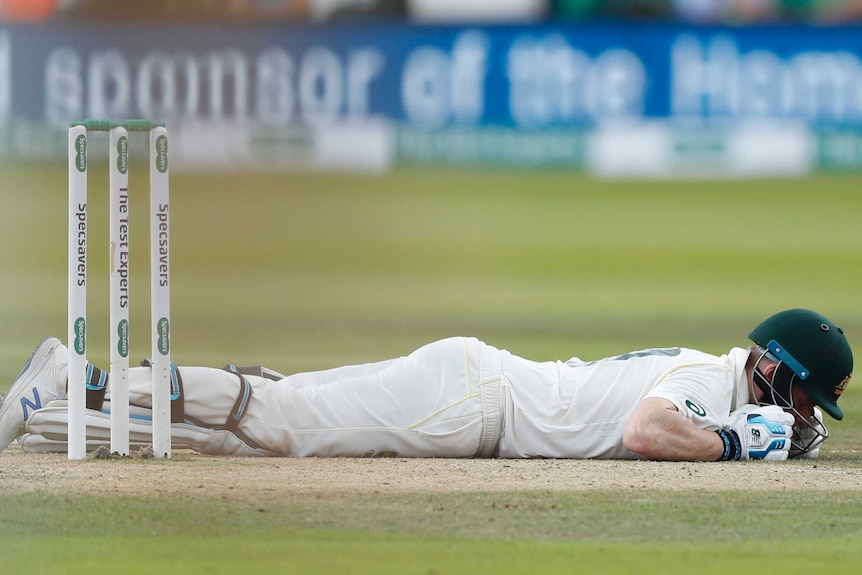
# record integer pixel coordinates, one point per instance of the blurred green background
(307, 271)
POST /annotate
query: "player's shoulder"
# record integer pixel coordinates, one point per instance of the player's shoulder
(689, 354)
(669, 353)
(696, 352)
(667, 356)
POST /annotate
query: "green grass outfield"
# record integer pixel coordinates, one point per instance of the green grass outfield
(355, 553)
(600, 532)
(310, 271)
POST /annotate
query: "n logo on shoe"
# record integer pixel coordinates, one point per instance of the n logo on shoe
(25, 403)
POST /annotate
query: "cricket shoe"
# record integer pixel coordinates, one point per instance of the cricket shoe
(42, 379)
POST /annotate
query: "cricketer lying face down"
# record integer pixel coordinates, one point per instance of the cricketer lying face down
(460, 397)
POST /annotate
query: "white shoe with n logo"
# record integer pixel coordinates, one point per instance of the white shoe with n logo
(42, 379)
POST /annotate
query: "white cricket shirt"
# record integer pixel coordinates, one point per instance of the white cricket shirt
(579, 409)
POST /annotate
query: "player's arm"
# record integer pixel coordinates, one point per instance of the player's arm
(657, 430)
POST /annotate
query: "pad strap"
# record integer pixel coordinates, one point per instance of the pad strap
(237, 412)
(256, 370)
(178, 403)
(97, 385)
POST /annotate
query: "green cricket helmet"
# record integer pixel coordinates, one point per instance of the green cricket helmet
(815, 350)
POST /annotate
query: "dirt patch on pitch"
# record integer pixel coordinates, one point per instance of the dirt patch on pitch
(192, 474)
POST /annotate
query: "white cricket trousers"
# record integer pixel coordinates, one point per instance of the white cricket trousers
(442, 400)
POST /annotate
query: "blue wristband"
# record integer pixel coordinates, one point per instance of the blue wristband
(732, 447)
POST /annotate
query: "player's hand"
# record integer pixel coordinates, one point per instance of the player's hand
(763, 432)
(807, 439)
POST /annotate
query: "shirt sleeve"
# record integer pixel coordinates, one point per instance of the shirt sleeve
(701, 392)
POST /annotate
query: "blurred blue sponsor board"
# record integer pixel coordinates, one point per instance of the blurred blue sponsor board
(522, 95)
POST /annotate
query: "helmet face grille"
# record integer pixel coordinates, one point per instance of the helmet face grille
(812, 345)
(778, 390)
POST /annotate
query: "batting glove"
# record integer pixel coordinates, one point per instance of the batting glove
(757, 433)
